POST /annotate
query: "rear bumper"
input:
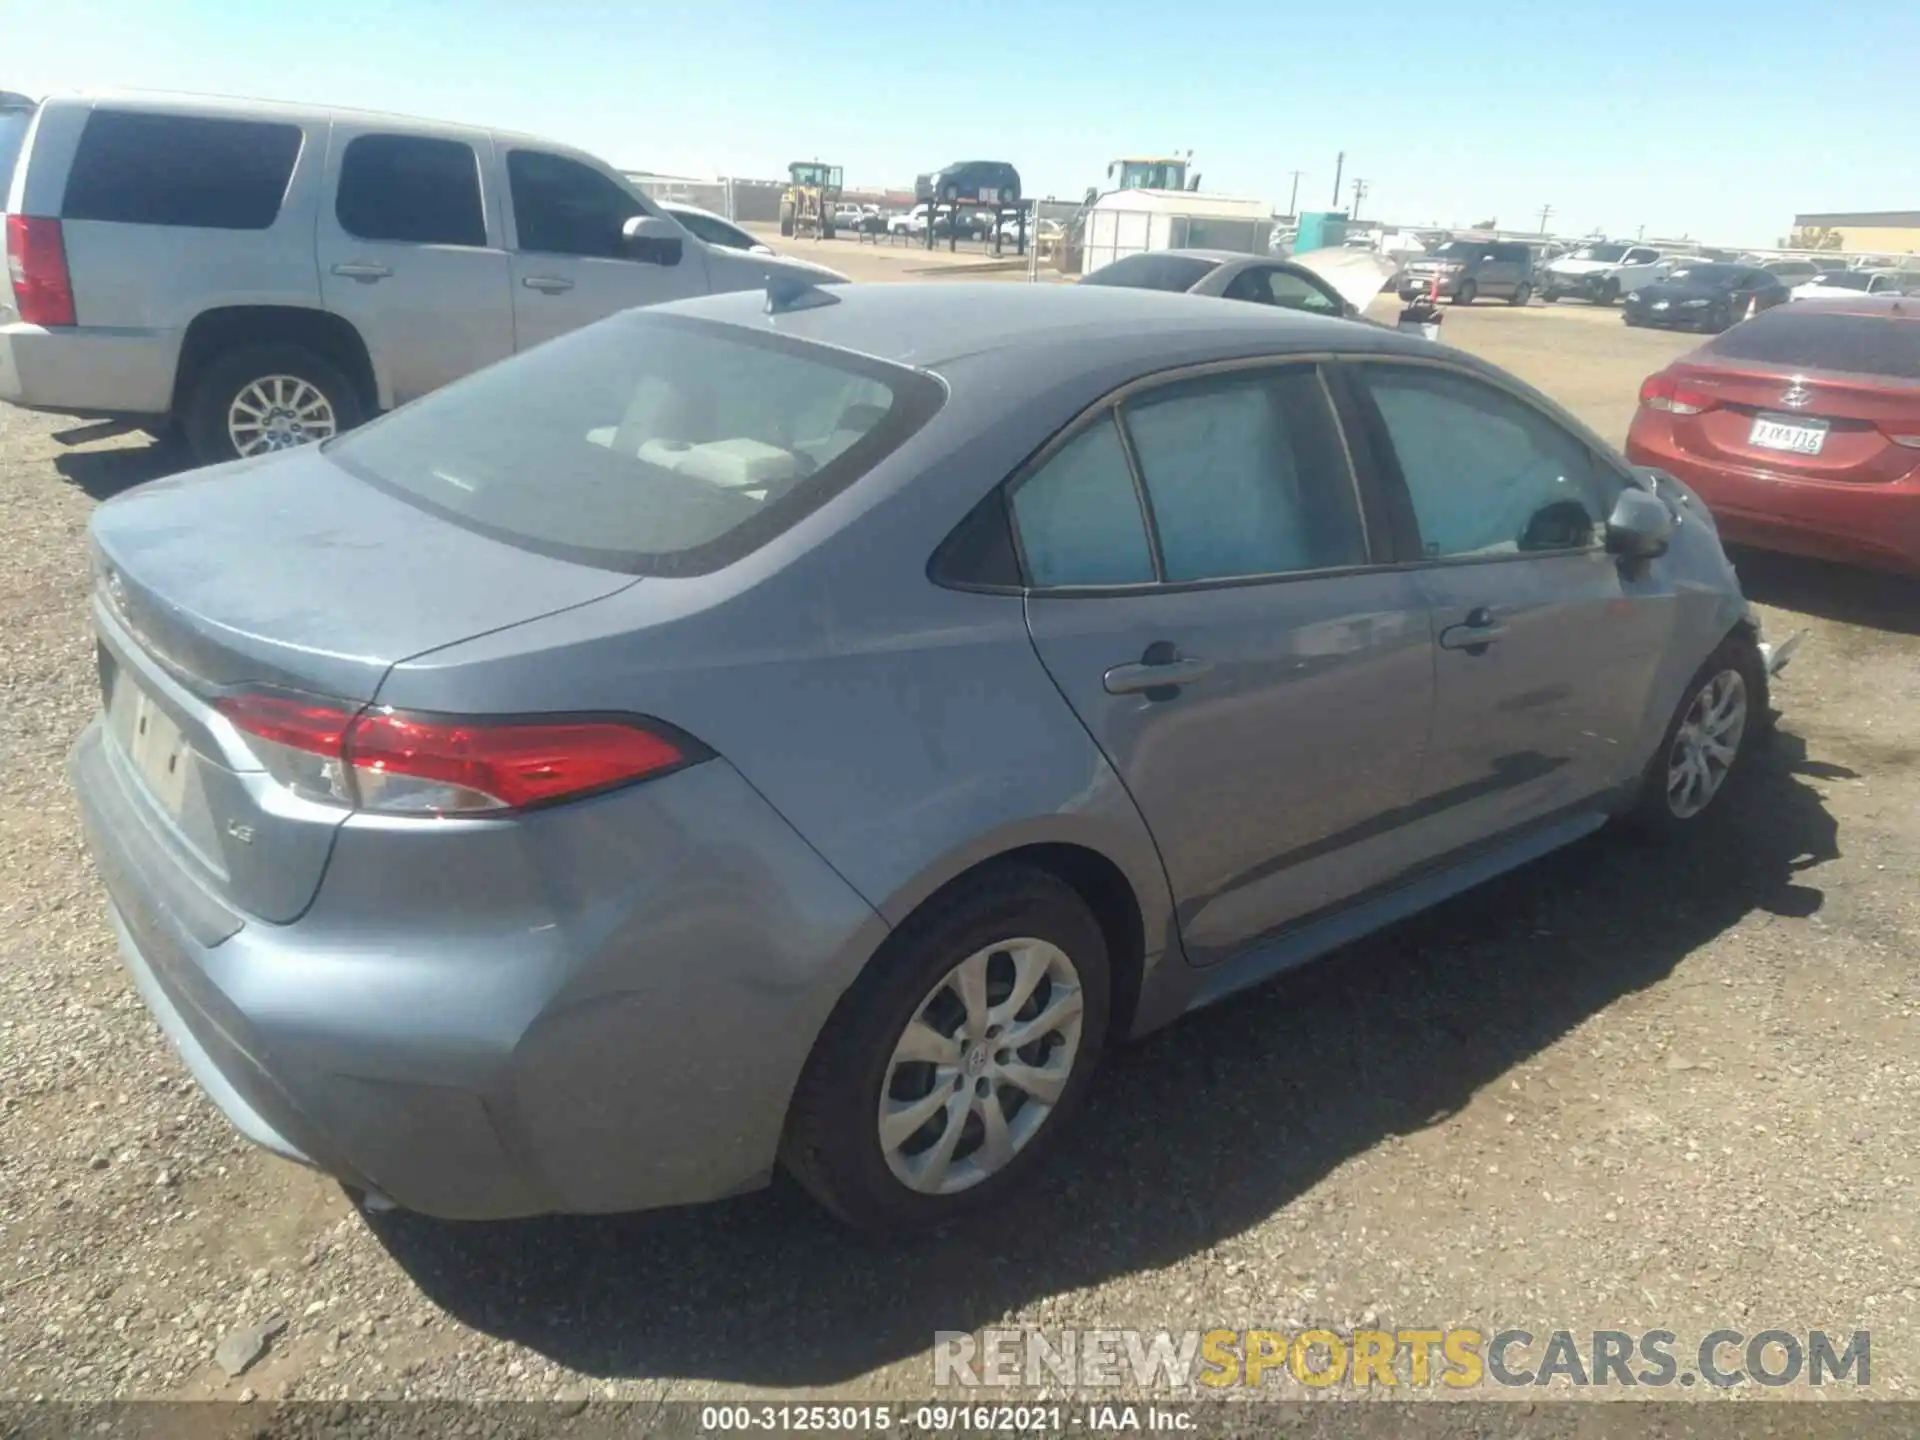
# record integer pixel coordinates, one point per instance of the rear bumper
(1868, 524)
(89, 371)
(607, 1015)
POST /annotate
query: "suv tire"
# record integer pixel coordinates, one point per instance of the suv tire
(1466, 294)
(834, 1144)
(229, 375)
(1522, 293)
(1609, 291)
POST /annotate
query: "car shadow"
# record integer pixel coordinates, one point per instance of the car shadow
(1854, 596)
(104, 472)
(1198, 1133)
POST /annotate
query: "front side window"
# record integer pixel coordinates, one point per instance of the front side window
(1246, 475)
(411, 190)
(714, 232)
(1078, 515)
(650, 444)
(562, 207)
(142, 169)
(1488, 475)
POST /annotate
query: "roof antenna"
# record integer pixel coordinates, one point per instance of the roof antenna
(787, 293)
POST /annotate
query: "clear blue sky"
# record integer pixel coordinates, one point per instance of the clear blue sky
(1716, 121)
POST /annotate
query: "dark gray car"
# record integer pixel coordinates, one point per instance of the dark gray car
(1466, 270)
(812, 728)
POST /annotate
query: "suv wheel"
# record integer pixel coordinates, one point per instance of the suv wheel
(1466, 294)
(957, 1059)
(255, 399)
(1609, 291)
(1521, 295)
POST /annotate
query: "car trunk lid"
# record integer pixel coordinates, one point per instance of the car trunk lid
(287, 575)
(1818, 425)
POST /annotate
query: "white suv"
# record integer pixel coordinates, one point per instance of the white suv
(1602, 273)
(259, 275)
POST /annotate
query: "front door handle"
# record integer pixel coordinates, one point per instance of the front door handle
(363, 270)
(1158, 674)
(1474, 634)
(548, 284)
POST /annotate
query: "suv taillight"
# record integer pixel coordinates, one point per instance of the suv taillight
(37, 263)
(402, 764)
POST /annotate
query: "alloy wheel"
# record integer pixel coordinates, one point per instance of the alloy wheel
(980, 1066)
(1706, 744)
(278, 412)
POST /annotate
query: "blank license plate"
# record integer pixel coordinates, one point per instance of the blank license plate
(153, 743)
(1795, 436)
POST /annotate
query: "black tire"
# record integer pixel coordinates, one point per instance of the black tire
(1466, 294)
(1608, 293)
(1552, 297)
(832, 1145)
(1654, 814)
(1521, 295)
(229, 373)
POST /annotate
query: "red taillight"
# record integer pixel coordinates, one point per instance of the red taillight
(441, 765)
(37, 263)
(1663, 392)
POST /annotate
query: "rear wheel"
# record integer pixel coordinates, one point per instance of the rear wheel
(1521, 295)
(1466, 294)
(1719, 717)
(953, 1064)
(275, 395)
(1552, 297)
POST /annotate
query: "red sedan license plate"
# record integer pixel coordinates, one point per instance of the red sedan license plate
(1779, 432)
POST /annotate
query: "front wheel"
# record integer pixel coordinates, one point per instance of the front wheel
(1466, 294)
(1608, 292)
(957, 1059)
(1552, 297)
(276, 395)
(1721, 712)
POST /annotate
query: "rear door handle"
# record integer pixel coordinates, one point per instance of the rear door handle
(367, 270)
(1474, 634)
(1149, 675)
(548, 284)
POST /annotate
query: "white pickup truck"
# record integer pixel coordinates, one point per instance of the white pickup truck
(1601, 273)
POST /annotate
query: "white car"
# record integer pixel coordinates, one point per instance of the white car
(1830, 284)
(1601, 273)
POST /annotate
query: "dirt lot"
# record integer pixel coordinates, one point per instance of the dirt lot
(1622, 1089)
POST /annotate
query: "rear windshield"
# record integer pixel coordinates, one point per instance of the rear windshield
(1707, 274)
(1153, 272)
(1860, 344)
(650, 444)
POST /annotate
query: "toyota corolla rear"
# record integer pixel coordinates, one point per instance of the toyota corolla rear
(1801, 430)
(485, 954)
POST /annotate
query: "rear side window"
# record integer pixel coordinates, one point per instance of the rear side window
(1153, 272)
(139, 169)
(1079, 515)
(1247, 476)
(411, 189)
(1860, 344)
(14, 120)
(650, 444)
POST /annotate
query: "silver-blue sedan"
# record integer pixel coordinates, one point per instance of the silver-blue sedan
(812, 728)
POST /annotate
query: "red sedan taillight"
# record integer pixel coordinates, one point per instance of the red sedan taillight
(37, 265)
(396, 763)
(1663, 392)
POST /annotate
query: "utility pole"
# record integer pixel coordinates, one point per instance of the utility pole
(1641, 233)
(1339, 164)
(1545, 211)
(1293, 201)
(1359, 193)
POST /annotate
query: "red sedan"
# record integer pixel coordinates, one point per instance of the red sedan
(1800, 429)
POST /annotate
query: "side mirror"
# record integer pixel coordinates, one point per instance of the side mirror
(1641, 526)
(651, 240)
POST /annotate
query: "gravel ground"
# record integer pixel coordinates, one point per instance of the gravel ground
(1622, 1089)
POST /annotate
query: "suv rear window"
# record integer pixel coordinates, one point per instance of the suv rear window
(411, 189)
(141, 169)
(650, 444)
(1153, 272)
(1859, 344)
